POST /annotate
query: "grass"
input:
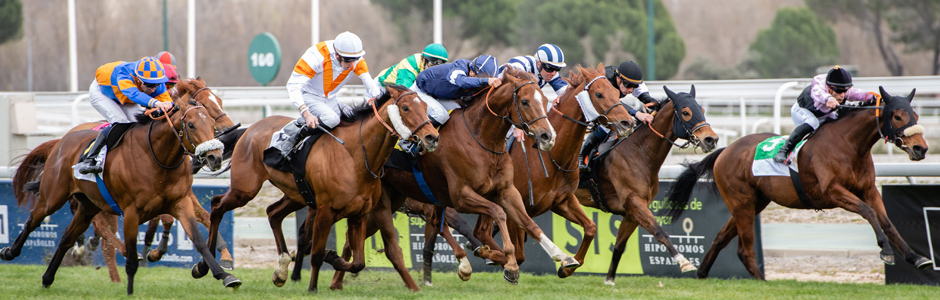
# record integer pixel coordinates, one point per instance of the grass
(25, 282)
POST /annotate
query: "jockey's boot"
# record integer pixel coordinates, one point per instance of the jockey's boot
(90, 164)
(795, 137)
(289, 138)
(591, 142)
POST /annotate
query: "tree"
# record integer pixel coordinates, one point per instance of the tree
(484, 20)
(917, 24)
(11, 20)
(794, 46)
(868, 14)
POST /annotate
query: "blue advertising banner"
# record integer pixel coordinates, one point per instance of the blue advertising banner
(42, 243)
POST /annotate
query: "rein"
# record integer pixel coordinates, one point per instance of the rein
(691, 141)
(178, 134)
(524, 125)
(390, 129)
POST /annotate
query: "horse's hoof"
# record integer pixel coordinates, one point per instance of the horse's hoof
(92, 244)
(609, 282)
(6, 255)
(570, 262)
(293, 255)
(701, 274)
(888, 259)
(227, 264)
(231, 281)
(489, 262)
(565, 272)
(200, 269)
(923, 263)
(336, 286)
(464, 270)
(428, 283)
(511, 276)
(688, 268)
(278, 282)
(78, 251)
(154, 256)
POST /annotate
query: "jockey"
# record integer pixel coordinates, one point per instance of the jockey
(405, 72)
(120, 91)
(817, 103)
(441, 85)
(547, 62)
(172, 79)
(628, 78)
(320, 72)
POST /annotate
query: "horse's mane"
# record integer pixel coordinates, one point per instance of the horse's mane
(519, 73)
(365, 110)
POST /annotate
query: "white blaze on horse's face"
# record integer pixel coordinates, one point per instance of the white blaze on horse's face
(214, 100)
(538, 99)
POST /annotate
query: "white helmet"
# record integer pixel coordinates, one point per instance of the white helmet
(550, 54)
(348, 44)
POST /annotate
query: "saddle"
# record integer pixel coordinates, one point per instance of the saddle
(590, 180)
(296, 165)
(114, 134)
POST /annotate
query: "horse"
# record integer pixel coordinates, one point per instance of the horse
(353, 186)
(192, 88)
(554, 190)
(167, 186)
(836, 170)
(469, 172)
(629, 176)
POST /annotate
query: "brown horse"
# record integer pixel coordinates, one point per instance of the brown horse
(836, 169)
(470, 172)
(192, 88)
(165, 178)
(555, 191)
(629, 176)
(344, 178)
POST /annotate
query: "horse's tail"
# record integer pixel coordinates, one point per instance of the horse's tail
(31, 170)
(681, 191)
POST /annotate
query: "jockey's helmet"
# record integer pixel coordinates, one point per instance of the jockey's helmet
(171, 75)
(435, 51)
(839, 77)
(484, 65)
(348, 44)
(630, 72)
(150, 70)
(550, 54)
(166, 58)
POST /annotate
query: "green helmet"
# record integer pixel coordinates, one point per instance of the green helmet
(436, 51)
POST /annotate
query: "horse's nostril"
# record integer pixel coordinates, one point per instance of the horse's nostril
(545, 137)
(624, 124)
(430, 138)
(711, 140)
(919, 149)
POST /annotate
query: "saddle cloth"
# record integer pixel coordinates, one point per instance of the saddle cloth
(764, 164)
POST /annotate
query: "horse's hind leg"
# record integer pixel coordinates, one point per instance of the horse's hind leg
(912, 257)
(638, 209)
(156, 254)
(106, 229)
(464, 270)
(724, 236)
(148, 237)
(382, 216)
(454, 220)
(83, 215)
(627, 227)
(303, 244)
(430, 239)
(48, 203)
(321, 222)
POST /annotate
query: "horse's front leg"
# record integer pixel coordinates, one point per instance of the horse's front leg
(877, 204)
(483, 230)
(356, 237)
(320, 225)
(131, 222)
(511, 201)
(382, 217)
(464, 270)
(183, 211)
(571, 210)
(472, 202)
(638, 208)
(850, 202)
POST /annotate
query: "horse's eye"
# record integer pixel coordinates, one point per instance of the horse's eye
(685, 113)
(191, 126)
(599, 95)
(192, 102)
(405, 108)
(525, 102)
(897, 117)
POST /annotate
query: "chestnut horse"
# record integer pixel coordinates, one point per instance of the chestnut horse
(143, 187)
(470, 172)
(555, 191)
(192, 88)
(344, 178)
(629, 176)
(836, 169)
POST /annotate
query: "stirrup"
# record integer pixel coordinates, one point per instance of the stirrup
(89, 167)
(781, 156)
(583, 165)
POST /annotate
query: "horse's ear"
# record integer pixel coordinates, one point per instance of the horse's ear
(911, 96)
(693, 91)
(600, 66)
(672, 95)
(884, 94)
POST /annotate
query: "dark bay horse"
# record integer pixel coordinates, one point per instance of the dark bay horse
(835, 167)
(143, 187)
(470, 171)
(629, 176)
(344, 178)
(556, 191)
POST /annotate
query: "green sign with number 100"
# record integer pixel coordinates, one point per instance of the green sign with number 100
(264, 58)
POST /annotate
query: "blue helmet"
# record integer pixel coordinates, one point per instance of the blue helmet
(484, 64)
(550, 54)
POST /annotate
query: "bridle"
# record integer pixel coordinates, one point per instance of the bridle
(179, 134)
(412, 136)
(522, 125)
